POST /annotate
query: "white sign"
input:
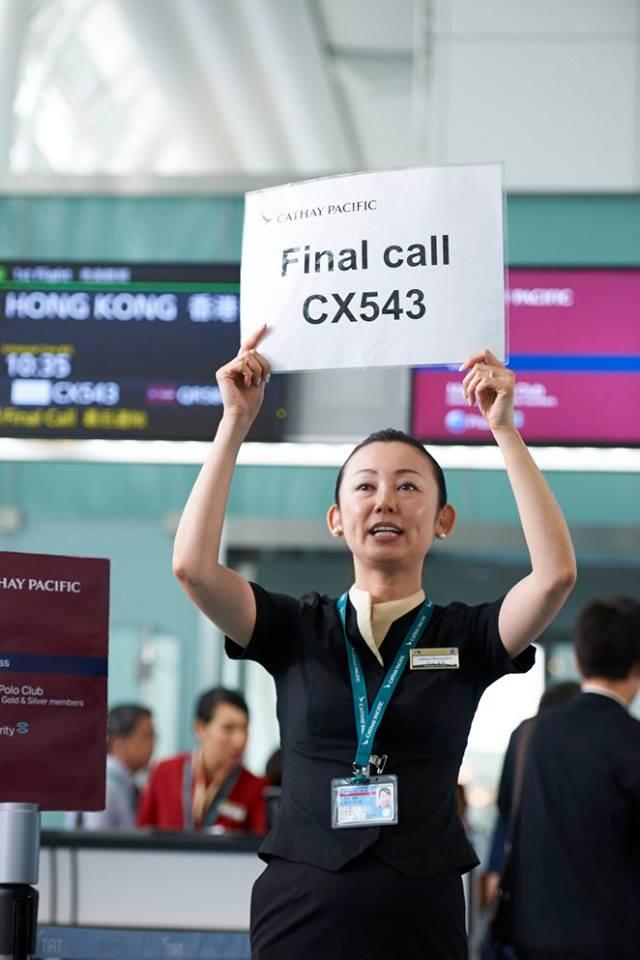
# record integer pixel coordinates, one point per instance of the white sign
(402, 268)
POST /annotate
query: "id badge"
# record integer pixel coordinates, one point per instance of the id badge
(370, 804)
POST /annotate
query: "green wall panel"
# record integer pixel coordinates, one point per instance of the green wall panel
(574, 230)
(45, 491)
(198, 228)
(542, 229)
(98, 489)
(295, 492)
(590, 499)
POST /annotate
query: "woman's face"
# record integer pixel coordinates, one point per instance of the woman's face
(224, 738)
(388, 511)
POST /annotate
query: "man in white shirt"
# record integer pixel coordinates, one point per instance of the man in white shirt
(130, 741)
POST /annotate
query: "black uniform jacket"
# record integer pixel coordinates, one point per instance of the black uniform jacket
(577, 843)
(424, 731)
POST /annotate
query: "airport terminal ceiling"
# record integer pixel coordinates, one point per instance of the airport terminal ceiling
(251, 89)
(122, 87)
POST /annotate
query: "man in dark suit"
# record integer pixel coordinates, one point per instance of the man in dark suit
(576, 887)
(554, 696)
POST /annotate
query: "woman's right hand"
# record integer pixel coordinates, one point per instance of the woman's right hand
(242, 380)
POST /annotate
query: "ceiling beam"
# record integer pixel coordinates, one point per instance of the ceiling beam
(289, 53)
(163, 44)
(217, 37)
(14, 22)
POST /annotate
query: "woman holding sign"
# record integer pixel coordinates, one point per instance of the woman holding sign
(377, 689)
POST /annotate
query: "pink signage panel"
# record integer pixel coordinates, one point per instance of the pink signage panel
(574, 311)
(550, 408)
(574, 342)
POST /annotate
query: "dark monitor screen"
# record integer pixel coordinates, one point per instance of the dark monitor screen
(120, 351)
(574, 343)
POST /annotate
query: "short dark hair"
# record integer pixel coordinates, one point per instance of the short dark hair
(123, 719)
(389, 435)
(558, 694)
(607, 638)
(209, 701)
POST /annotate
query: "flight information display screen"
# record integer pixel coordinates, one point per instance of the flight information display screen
(120, 351)
(574, 344)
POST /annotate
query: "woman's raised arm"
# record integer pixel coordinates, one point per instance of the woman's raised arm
(222, 594)
(533, 602)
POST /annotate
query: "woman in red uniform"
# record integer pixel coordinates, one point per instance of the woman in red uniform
(377, 689)
(208, 789)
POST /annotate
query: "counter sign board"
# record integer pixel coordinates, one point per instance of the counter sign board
(400, 268)
(54, 614)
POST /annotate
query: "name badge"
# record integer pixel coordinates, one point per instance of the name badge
(435, 658)
(370, 804)
(234, 811)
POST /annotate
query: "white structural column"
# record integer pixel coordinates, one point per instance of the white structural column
(221, 48)
(162, 42)
(14, 19)
(423, 76)
(289, 54)
(43, 67)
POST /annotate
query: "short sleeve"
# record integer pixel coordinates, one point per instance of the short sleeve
(483, 650)
(272, 643)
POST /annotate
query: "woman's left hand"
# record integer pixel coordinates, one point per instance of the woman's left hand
(491, 385)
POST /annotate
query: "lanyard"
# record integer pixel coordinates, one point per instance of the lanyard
(368, 721)
(213, 810)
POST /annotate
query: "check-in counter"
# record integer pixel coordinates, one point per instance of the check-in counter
(131, 895)
(147, 881)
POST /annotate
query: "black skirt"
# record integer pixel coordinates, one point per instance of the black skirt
(367, 909)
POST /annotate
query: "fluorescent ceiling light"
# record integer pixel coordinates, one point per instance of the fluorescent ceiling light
(586, 459)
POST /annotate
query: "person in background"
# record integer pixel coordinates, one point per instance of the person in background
(555, 695)
(130, 741)
(576, 845)
(208, 788)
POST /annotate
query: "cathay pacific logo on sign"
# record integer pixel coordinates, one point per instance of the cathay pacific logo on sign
(323, 210)
(40, 586)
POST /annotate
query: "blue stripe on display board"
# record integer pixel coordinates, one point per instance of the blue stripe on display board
(589, 363)
(572, 363)
(45, 663)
